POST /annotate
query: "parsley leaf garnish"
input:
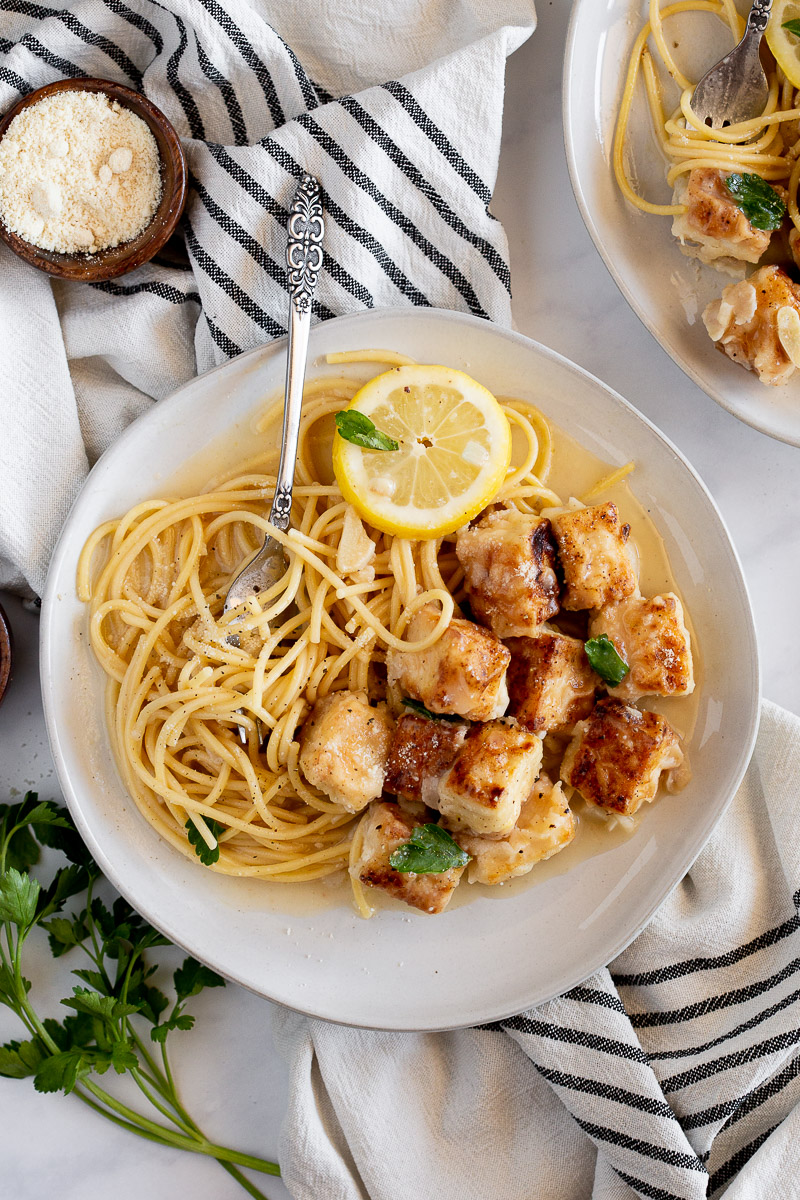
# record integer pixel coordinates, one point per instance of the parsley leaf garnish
(102, 1033)
(604, 659)
(793, 26)
(429, 851)
(202, 849)
(422, 711)
(759, 202)
(354, 427)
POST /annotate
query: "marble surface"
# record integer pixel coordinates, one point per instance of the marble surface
(233, 1080)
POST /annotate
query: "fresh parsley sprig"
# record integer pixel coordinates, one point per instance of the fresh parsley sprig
(116, 999)
(429, 851)
(759, 202)
(793, 26)
(202, 849)
(355, 427)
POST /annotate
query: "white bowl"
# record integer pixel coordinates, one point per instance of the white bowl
(644, 259)
(302, 945)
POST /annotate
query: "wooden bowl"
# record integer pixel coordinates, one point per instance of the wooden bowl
(118, 260)
(5, 653)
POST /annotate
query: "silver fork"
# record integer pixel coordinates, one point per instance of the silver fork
(303, 260)
(736, 89)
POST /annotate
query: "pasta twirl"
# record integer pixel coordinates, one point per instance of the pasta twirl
(768, 146)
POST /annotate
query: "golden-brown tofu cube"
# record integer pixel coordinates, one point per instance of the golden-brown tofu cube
(546, 824)
(550, 682)
(382, 830)
(651, 636)
(344, 745)
(493, 773)
(617, 755)
(714, 228)
(421, 752)
(756, 323)
(464, 673)
(509, 571)
(592, 547)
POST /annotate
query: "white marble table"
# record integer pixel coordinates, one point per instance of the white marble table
(234, 1081)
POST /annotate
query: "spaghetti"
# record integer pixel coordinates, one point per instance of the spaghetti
(768, 146)
(156, 580)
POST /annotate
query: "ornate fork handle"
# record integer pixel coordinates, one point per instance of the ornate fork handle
(304, 251)
(759, 15)
(304, 262)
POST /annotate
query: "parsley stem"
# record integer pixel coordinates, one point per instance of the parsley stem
(167, 1068)
(243, 1181)
(187, 1127)
(199, 1144)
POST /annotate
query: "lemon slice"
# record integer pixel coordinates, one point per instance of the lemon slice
(783, 44)
(454, 450)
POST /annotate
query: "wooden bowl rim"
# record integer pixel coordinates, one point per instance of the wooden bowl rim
(5, 653)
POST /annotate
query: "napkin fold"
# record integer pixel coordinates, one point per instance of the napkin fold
(395, 107)
(673, 1074)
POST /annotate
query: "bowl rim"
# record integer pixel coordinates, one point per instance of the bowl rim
(113, 261)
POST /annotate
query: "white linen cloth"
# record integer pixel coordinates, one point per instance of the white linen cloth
(673, 1074)
(396, 107)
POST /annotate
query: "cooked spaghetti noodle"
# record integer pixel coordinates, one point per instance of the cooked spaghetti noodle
(768, 146)
(156, 580)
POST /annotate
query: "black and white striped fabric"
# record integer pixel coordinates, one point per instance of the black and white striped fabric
(672, 1075)
(397, 110)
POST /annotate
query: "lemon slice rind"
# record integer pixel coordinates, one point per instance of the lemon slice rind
(783, 44)
(455, 448)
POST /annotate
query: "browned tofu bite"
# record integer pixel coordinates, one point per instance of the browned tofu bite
(422, 750)
(550, 682)
(651, 636)
(493, 774)
(344, 745)
(592, 547)
(464, 673)
(545, 825)
(509, 570)
(714, 228)
(617, 755)
(382, 830)
(756, 323)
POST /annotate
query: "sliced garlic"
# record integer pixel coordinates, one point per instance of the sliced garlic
(716, 317)
(788, 324)
(743, 301)
(356, 548)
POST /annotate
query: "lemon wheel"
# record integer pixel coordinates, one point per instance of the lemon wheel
(454, 447)
(784, 44)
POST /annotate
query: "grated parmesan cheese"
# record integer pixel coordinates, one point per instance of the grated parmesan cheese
(78, 173)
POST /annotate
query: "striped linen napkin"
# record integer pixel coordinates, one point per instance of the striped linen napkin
(395, 107)
(673, 1074)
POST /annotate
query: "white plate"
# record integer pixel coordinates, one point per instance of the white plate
(496, 954)
(638, 248)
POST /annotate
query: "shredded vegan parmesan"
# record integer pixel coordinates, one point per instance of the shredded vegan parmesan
(78, 173)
